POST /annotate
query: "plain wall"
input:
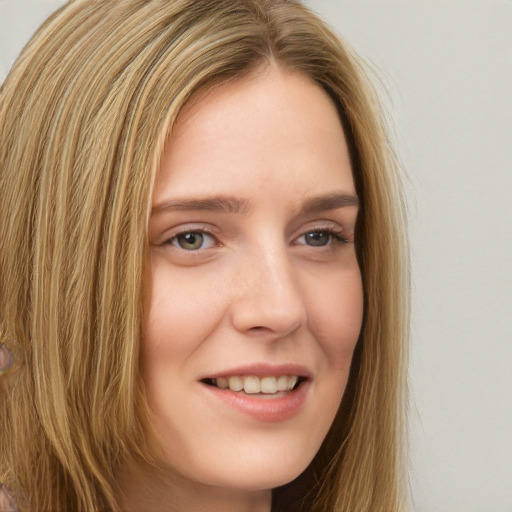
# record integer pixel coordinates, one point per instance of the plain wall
(447, 66)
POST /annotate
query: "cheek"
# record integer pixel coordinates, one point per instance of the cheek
(180, 307)
(335, 319)
(336, 316)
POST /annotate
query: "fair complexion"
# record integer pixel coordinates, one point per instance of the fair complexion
(252, 281)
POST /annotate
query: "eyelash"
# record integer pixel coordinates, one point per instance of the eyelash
(335, 237)
(202, 232)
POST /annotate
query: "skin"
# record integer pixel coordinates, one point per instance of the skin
(246, 287)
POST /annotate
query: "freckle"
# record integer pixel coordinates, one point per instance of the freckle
(6, 502)
(6, 362)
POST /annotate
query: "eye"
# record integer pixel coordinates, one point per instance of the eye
(192, 240)
(317, 238)
(321, 237)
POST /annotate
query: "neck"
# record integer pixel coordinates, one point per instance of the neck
(151, 489)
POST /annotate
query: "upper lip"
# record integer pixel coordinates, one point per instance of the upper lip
(264, 370)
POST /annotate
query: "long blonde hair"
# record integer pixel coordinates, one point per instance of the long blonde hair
(84, 115)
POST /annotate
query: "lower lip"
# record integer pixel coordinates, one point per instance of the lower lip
(263, 407)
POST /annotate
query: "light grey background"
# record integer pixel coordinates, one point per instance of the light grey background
(447, 67)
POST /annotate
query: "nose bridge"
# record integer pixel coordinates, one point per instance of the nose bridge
(270, 298)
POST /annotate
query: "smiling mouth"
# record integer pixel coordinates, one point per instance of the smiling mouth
(254, 385)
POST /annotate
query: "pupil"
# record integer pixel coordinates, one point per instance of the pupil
(317, 238)
(190, 241)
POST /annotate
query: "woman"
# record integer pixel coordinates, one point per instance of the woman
(203, 253)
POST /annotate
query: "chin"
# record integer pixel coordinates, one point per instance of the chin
(258, 480)
(253, 467)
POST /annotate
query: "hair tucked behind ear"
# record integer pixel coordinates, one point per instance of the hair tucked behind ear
(84, 115)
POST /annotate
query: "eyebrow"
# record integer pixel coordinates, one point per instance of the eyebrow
(329, 202)
(235, 205)
(219, 204)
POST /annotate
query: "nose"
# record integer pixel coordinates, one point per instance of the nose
(268, 299)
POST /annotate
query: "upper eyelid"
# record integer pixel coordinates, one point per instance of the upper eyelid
(173, 232)
(323, 225)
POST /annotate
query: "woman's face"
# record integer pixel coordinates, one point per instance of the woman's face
(253, 291)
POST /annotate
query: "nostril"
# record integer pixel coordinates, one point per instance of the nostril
(268, 310)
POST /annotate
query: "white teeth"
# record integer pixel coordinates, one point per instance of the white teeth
(292, 381)
(222, 383)
(252, 385)
(236, 383)
(282, 383)
(268, 385)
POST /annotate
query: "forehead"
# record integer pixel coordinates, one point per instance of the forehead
(268, 85)
(271, 128)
